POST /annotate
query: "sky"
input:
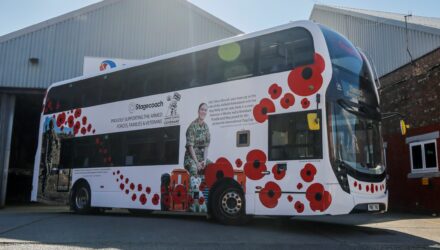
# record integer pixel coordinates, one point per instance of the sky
(246, 15)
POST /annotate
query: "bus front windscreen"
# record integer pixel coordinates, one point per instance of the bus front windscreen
(353, 111)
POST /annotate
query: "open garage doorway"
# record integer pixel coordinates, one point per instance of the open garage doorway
(23, 147)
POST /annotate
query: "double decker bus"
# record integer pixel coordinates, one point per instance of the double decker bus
(284, 122)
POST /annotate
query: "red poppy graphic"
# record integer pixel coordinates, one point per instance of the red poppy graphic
(308, 172)
(319, 198)
(132, 186)
(372, 188)
(122, 186)
(190, 200)
(77, 113)
(94, 131)
(84, 120)
(89, 127)
(155, 199)
(143, 199)
(76, 128)
(299, 186)
(255, 164)
(275, 91)
(201, 200)
(305, 103)
(299, 206)
(178, 193)
(355, 184)
(360, 187)
(238, 163)
(262, 110)
(83, 130)
(139, 187)
(70, 121)
(277, 173)
(122, 176)
(127, 191)
(202, 186)
(367, 188)
(148, 190)
(117, 172)
(287, 101)
(307, 80)
(166, 200)
(133, 197)
(290, 198)
(218, 170)
(270, 194)
(61, 119)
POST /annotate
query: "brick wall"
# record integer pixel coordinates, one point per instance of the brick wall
(413, 90)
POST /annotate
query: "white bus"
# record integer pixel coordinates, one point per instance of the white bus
(284, 122)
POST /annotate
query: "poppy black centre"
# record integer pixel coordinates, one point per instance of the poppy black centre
(318, 196)
(308, 173)
(287, 100)
(219, 174)
(307, 73)
(271, 193)
(179, 194)
(256, 164)
(274, 91)
(264, 111)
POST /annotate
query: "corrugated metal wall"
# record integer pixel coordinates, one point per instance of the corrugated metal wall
(135, 29)
(383, 42)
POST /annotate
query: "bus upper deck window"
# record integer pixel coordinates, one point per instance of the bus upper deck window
(284, 50)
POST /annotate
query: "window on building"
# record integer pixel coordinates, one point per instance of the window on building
(290, 138)
(424, 156)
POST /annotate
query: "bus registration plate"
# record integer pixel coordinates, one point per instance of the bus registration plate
(373, 207)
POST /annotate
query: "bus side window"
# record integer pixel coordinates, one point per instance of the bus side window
(133, 83)
(290, 138)
(284, 50)
(111, 87)
(231, 61)
(88, 91)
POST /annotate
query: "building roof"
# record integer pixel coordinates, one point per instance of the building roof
(129, 29)
(99, 5)
(384, 36)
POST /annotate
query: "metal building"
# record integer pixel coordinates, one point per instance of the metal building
(54, 50)
(384, 36)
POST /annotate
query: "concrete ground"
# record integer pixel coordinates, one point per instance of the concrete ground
(46, 227)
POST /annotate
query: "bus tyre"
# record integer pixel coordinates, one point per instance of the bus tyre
(228, 205)
(81, 199)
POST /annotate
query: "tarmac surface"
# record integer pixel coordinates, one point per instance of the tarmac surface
(46, 227)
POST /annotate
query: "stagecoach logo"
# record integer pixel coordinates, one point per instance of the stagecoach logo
(172, 116)
(132, 107)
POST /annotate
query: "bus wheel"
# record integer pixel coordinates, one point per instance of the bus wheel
(228, 205)
(81, 199)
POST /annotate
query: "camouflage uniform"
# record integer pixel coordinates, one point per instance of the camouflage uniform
(51, 155)
(198, 137)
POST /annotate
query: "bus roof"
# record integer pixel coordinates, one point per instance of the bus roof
(304, 23)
